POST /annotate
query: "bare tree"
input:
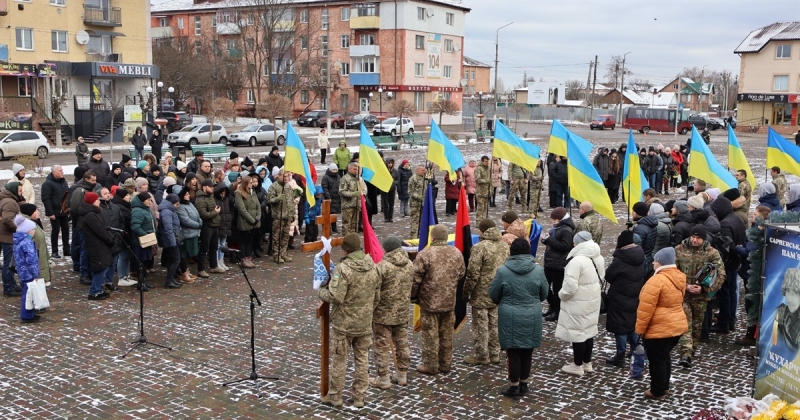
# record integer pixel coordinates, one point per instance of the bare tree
(574, 88)
(403, 108)
(614, 70)
(639, 84)
(61, 93)
(185, 66)
(444, 106)
(518, 108)
(113, 101)
(220, 108)
(273, 107)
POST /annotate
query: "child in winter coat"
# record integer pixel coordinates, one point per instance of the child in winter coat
(312, 230)
(26, 259)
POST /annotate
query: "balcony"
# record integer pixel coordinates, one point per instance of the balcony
(361, 79)
(365, 51)
(102, 16)
(365, 22)
(3, 7)
(284, 26)
(161, 32)
(104, 57)
(228, 28)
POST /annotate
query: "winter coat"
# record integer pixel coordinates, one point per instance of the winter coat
(495, 169)
(142, 221)
(311, 212)
(273, 161)
(349, 191)
(580, 294)
(397, 275)
(76, 198)
(26, 258)
(600, 164)
(138, 140)
(729, 225)
(205, 204)
(486, 256)
(709, 222)
(681, 228)
(341, 157)
(625, 276)
(153, 181)
(353, 292)
(660, 313)
(96, 237)
(469, 179)
(40, 243)
(451, 187)
(771, 201)
(81, 151)
(9, 208)
(518, 289)
(663, 231)
(402, 184)
(53, 192)
(591, 222)
(281, 209)
(125, 218)
(416, 190)
(193, 166)
(330, 190)
(515, 230)
(170, 227)
(112, 217)
(156, 142)
(437, 270)
(690, 259)
(100, 167)
(190, 220)
(559, 244)
(558, 172)
(248, 211)
(645, 233)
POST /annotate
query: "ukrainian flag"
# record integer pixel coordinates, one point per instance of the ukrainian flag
(703, 165)
(736, 158)
(782, 153)
(513, 149)
(633, 178)
(427, 221)
(373, 168)
(442, 152)
(584, 181)
(558, 141)
(296, 161)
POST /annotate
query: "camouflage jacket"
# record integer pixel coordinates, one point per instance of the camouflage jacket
(281, 209)
(483, 180)
(516, 172)
(416, 190)
(486, 256)
(781, 188)
(349, 191)
(354, 291)
(515, 230)
(746, 191)
(690, 260)
(537, 176)
(592, 223)
(397, 275)
(437, 270)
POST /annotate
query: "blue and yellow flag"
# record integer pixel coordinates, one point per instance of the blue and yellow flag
(703, 165)
(296, 161)
(585, 183)
(558, 141)
(633, 178)
(427, 221)
(782, 153)
(513, 149)
(443, 152)
(373, 168)
(736, 158)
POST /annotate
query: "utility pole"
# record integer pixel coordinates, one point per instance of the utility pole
(586, 92)
(622, 86)
(594, 84)
(328, 65)
(678, 107)
(496, 55)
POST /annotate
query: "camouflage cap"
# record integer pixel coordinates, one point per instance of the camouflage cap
(129, 183)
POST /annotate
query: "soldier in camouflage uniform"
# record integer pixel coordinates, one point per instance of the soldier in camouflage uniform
(590, 221)
(390, 319)
(416, 193)
(690, 256)
(350, 191)
(280, 198)
(486, 256)
(518, 177)
(536, 189)
(437, 270)
(781, 187)
(745, 189)
(353, 292)
(483, 180)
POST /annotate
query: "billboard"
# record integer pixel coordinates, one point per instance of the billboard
(546, 93)
(434, 56)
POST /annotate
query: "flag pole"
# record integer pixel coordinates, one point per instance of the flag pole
(628, 205)
(491, 183)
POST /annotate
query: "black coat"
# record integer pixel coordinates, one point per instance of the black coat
(273, 161)
(330, 190)
(681, 229)
(226, 209)
(96, 238)
(402, 187)
(156, 142)
(138, 140)
(112, 217)
(152, 182)
(559, 244)
(645, 230)
(101, 169)
(193, 166)
(625, 277)
(53, 192)
(558, 172)
(729, 225)
(125, 216)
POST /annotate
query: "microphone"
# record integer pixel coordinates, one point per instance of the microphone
(226, 250)
(115, 229)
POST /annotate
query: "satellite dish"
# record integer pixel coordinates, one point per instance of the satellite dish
(457, 46)
(429, 12)
(82, 37)
(463, 82)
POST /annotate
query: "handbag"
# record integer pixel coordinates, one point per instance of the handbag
(603, 293)
(149, 239)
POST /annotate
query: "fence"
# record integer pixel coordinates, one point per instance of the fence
(531, 114)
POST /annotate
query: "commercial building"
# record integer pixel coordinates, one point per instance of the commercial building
(477, 76)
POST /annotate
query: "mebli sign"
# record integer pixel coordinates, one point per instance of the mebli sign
(123, 70)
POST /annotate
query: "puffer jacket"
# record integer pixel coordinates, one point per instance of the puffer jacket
(226, 209)
(330, 190)
(681, 228)
(170, 226)
(205, 204)
(559, 244)
(729, 225)
(663, 231)
(402, 187)
(708, 221)
(518, 289)
(248, 211)
(645, 233)
(580, 294)
(152, 182)
(625, 276)
(515, 230)
(142, 221)
(486, 256)
(660, 313)
(100, 167)
(9, 207)
(190, 220)
(26, 257)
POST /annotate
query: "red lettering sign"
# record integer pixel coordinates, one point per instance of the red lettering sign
(108, 69)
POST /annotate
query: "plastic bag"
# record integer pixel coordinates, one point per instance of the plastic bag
(40, 300)
(744, 407)
(638, 361)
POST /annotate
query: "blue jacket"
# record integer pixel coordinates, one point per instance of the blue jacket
(313, 212)
(771, 201)
(25, 257)
(170, 226)
(518, 289)
(644, 234)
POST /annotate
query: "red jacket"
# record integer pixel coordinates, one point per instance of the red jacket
(677, 157)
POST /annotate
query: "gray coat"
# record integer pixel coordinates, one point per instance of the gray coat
(190, 220)
(519, 288)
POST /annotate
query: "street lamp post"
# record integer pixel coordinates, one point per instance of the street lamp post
(496, 54)
(159, 105)
(380, 101)
(480, 111)
(622, 86)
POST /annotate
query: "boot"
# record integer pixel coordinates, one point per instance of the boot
(618, 360)
(511, 391)
(256, 254)
(186, 279)
(335, 401)
(381, 382)
(172, 284)
(278, 260)
(523, 388)
(399, 378)
(248, 263)
(472, 360)
(286, 258)
(746, 341)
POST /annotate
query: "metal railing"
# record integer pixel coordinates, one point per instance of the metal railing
(104, 57)
(103, 16)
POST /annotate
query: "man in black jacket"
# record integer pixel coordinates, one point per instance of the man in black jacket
(138, 141)
(681, 223)
(156, 142)
(99, 165)
(54, 190)
(98, 242)
(122, 201)
(558, 175)
(194, 165)
(112, 217)
(731, 226)
(76, 197)
(644, 233)
(559, 243)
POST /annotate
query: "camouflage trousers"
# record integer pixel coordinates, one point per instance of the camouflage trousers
(536, 189)
(695, 311)
(385, 337)
(349, 221)
(341, 345)
(484, 333)
(521, 186)
(437, 340)
(416, 212)
(280, 237)
(481, 207)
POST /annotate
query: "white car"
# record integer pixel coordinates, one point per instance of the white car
(198, 134)
(23, 143)
(259, 134)
(392, 126)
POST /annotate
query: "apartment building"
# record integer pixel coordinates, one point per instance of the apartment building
(477, 76)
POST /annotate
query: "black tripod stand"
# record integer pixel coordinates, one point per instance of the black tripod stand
(253, 300)
(142, 280)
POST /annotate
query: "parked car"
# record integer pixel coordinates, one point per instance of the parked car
(718, 123)
(701, 121)
(603, 121)
(23, 143)
(355, 121)
(337, 119)
(392, 126)
(309, 119)
(733, 122)
(175, 120)
(259, 134)
(198, 134)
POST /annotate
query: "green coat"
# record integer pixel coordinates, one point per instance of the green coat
(341, 157)
(142, 221)
(248, 211)
(519, 288)
(205, 204)
(281, 209)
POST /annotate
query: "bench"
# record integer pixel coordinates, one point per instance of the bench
(132, 151)
(415, 140)
(212, 152)
(483, 134)
(385, 142)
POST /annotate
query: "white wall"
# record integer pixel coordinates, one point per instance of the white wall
(407, 18)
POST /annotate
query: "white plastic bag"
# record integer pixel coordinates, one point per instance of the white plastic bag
(320, 273)
(39, 292)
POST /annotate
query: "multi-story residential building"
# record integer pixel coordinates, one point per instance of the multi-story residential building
(377, 52)
(477, 76)
(769, 78)
(78, 51)
(695, 96)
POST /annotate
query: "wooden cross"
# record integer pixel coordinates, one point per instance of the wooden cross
(323, 310)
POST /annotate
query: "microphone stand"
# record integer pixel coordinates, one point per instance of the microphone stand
(253, 300)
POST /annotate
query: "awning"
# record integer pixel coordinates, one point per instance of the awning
(101, 33)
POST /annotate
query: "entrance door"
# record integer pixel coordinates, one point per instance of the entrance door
(363, 105)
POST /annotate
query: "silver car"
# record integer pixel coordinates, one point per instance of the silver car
(256, 134)
(198, 134)
(23, 143)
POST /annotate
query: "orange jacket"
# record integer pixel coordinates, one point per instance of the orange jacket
(660, 313)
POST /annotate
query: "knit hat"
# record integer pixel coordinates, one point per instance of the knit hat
(276, 170)
(641, 208)
(666, 256)
(125, 159)
(155, 168)
(245, 173)
(129, 183)
(342, 142)
(143, 196)
(351, 242)
(121, 193)
(520, 246)
(13, 188)
(140, 182)
(180, 165)
(391, 243)
(172, 198)
(713, 193)
(655, 209)
(168, 181)
(232, 176)
(439, 233)
(558, 213)
(79, 172)
(581, 237)
(115, 166)
(27, 209)
(509, 216)
(486, 224)
(668, 206)
(696, 201)
(15, 168)
(95, 152)
(90, 197)
(732, 194)
(142, 163)
(246, 163)
(624, 239)
(23, 224)
(681, 206)
(234, 155)
(333, 167)
(404, 162)
(699, 231)
(274, 148)
(114, 189)
(207, 183)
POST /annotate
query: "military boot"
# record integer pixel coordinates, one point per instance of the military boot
(381, 382)
(399, 378)
(335, 401)
(286, 258)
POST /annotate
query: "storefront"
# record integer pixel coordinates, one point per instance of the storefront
(422, 97)
(777, 110)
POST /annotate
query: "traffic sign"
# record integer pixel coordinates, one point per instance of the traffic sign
(680, 106)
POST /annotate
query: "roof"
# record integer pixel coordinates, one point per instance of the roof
(701, 88)
(660, 99)
(474, 63)
(188, 5)
(756, 40)
(631, 96)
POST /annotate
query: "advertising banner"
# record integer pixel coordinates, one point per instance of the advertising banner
(434, 56)
(546, 93)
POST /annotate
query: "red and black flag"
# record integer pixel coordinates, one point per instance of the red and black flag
(463, 242)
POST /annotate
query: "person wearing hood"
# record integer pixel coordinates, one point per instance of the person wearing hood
(600, 164)
(645, 233)
(660, 319)
(794, 198)
(486, 256)
(513, 227)
(222, 197)
(180, 172)
(113, 176)
(100, 166)
(249, 215)
(664, 228)
(518, 289)
(274, 159)
(156, 142)
(731, 226)
(98, 243)
(262, 172)
(330, 191)
(26, 260)
(81, 151)
(580, 302)
(404, 175)
(142, 223)
(30, 212)
(767, 197)
(193, 183)
(341, 157)
(559, 243)
(311, 213)
(169, 231)
(54, 190)
(138, 141)
(28, 195)
(625, 277)
(590, 221)
(190, 226)
(163, 188)
(122, 200)
(681, 223)
(701, 216)
(740, 208)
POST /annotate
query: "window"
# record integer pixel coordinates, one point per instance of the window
(448, 72)
(251, 97)
(419, 100)
(419, 68)
(324, 19)
(345, 101)
(368, 9)
(448, 45)
(163, 22)
(58, 2)
(304, 16)
(324, 69)
(24, 86)
(24, 39)
(345, 41)
(58, 40)
(197, 25)
(345, 69)
(366, 39)
(345, 13)
(231, 44)
(303, 96)
(446, 95)
(251, 19)
(180, 23)
(304, 42)
(449, 19)
(324, 45)
(365, 64)
(198, 47)
(213, 21)
(784, 51)
(473, 74)
(675, 86)
(420, 14)
(419, 42)
(62, 88)
(250, 44)
(780, 83)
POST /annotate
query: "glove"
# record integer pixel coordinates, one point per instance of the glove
(281, 197)
(255, 221)
(629, 224)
